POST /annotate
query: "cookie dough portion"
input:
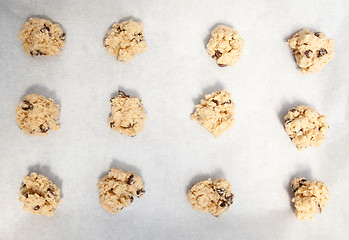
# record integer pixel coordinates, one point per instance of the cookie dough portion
(225, 45)
(39, 195)
(310, 197)
(125, 40)
(215, 112)
(36, 115)
(312, 50)
(42, 37)
(127, 114)
(118, 189)
(305, 127)
(213, 197)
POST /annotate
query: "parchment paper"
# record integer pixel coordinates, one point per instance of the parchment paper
(173, 152)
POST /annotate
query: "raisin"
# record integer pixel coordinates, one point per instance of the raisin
(43, 129)
(221, 65)
(321, 52)
(37, 207)
(217, 54)
(140, 192)
(130, 180)
(308, 53)
(29, 105)
(45, 29)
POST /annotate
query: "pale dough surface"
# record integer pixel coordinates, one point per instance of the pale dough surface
(118, 189)
(36, 115)
(127, 114)
(210, 196)
(42, 37)
(225, 45)
(125, 40)
(310, 197)
(312, 50)
(39, 195)
(305, 127)
(215, 112)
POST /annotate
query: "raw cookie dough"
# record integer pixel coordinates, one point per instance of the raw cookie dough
(125, 40)
(118, 188)
(312, 50)
(305, 127)
(127, 114)
(225, 45)
(39, 195)
(213, 197)
(215, 112)
(36, 115)
(42, 37)
(309, 197)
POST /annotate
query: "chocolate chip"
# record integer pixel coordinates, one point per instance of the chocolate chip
(223, 204)
(220, 191)
(130, 180)
(227, 102)
(217, 54)
(23, 185)
(221, 65)
(131, 198)
(322, 52)
(112, 124)
(43, 129)
(308, 53)
(122, 94)
(45, 29)
(317, 34)
(140, 192)
(37, 207)
(29, 105)
(319, 207)
(215, 101)
(26, 195)
(36, 53)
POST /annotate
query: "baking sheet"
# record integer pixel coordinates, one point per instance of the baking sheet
(173, 152)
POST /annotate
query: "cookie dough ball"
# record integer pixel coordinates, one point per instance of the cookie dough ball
(305, 127)
(36, 115)
(225, 45)
(312, 50)
(42, 37)
(213, 197)
(118, 188)
(310, 197)
(39, 195)
(127, 114)
(215, 112)
(125, 40)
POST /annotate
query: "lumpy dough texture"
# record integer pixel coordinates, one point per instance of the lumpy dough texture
(213, 197)
(125, 40)
(39, 195)
(312, 50)
(118, 188)
(215, 112)
(127, 114)
(305, 127)
(225, 46)
(310, 197)
(42, 37)
(36, 115)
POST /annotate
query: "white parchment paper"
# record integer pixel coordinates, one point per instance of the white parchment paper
(173, 152)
